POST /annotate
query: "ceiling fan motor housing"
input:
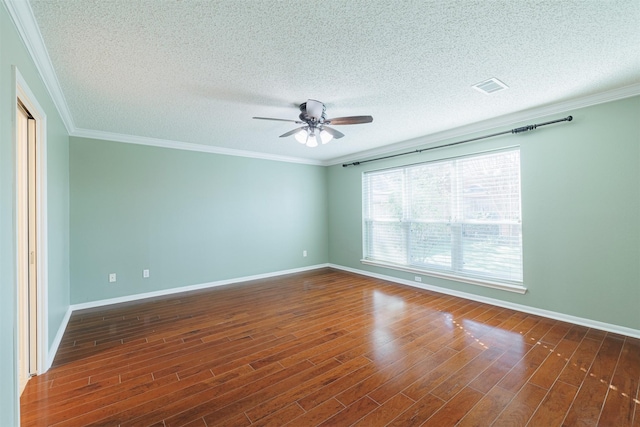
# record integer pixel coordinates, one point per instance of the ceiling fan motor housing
(316, 113)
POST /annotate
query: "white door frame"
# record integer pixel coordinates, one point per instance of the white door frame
(28, 99)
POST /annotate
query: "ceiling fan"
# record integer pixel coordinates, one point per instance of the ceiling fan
(315, 129)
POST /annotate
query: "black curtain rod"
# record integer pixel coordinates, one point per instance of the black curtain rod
(516, 130)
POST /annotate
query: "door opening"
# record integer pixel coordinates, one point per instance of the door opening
(27, 248)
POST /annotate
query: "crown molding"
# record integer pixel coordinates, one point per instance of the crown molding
(27, 27)
(491, 124)
(187, 146)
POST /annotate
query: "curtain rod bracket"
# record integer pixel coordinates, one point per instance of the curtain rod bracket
(524, 129)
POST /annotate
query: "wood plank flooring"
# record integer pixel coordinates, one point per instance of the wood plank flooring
(329, 348)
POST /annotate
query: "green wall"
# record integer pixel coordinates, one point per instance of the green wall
(193, 218)
(580, 209)
(13, 52)
(188, 217)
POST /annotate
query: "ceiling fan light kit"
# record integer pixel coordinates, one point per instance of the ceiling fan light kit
(316, 131)
(309, 138)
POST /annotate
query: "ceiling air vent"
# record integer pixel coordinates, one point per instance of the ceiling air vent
(490, 86)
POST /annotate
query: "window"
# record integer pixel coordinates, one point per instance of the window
(457, 217)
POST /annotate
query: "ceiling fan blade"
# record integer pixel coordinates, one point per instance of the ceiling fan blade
(280, 120)
(315, 109)
(291, 132)
(336, 134)
(353, 120)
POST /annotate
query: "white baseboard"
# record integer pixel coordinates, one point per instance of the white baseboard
(622, 330)
(163, 292)
(617, 329)
(53, 349)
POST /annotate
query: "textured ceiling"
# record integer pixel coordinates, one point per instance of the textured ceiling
(197, 71)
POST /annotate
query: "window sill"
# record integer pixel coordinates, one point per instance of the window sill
(479, 282)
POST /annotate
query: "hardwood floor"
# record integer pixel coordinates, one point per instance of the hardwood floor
(334, 349)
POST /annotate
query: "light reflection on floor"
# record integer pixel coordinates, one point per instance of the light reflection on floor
(385, 308)
(388, 308)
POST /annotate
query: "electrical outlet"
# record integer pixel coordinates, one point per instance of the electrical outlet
(304, 253)
(112, 277)
(418, 279)
(145, 273)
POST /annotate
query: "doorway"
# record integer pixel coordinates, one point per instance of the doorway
(28, 253)
(31, 344)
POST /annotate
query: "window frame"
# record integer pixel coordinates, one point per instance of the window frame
(457, 272)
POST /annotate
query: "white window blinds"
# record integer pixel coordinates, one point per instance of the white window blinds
(457, 216)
